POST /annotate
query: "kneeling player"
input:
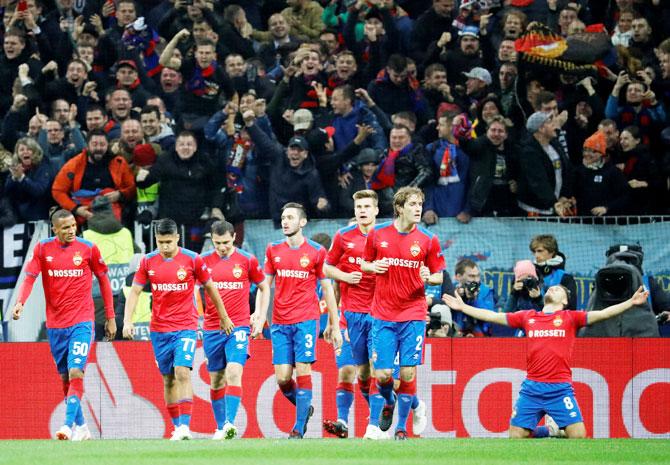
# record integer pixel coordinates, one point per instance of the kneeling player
(551, 336)
(232, 271)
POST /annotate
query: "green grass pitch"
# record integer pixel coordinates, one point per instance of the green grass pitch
(338, 452)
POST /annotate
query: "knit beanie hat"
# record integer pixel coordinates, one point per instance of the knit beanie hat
(597, 143)
(144, 155)
(524, 268)
(536, 120)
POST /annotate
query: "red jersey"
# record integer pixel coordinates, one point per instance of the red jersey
(399, 293)
(551, 338)
(173, 282)
(232, 276)
(346, 253)
(296, 271)
(67, 277)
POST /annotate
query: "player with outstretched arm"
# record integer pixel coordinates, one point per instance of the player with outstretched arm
(551, 337)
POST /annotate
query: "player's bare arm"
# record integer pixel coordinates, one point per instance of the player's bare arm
(262, 304)
(335, 273)
(129, 310)
(17, 310)
(110, 329)
(638, 298)
(332, 332)
(378, 267)
(456, 303)
(434, 279)
(227, 325)
(260, 315)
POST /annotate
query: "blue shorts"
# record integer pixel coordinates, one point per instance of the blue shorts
(359, 327)
(537, 399)
(402, 338)
(346, 358)
(70, 346)
(174, 349)
(221, 348)
(294, 343)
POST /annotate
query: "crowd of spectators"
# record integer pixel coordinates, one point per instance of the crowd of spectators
(203, 110)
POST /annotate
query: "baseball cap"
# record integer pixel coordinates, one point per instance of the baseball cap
(536, 120)
(298, 141)
(302, 119)
(481, 74)
(367, 156)
(472, 31)
(130, 63)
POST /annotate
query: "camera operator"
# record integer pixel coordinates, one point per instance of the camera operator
(526, 291)
(471, 289)
(438, 316)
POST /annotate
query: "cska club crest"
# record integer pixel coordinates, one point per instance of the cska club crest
(415, 249)
(77, 259)
(304, 261)
(558, 321)
(237, 271)
(181, 273)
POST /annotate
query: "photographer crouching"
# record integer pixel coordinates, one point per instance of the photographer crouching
(473, 292)
(526, 293)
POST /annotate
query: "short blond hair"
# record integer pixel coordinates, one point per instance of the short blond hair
(403, 194)
(366, 194)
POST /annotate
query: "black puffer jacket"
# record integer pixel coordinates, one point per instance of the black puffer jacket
(287, 184)
(187, 187)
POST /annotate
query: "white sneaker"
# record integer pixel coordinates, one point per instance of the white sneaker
(229, 431)
(181, 433)
(64, 433)
(374, 433)
(81, 433)
(552, 426)
(218, 435)
(419, 418)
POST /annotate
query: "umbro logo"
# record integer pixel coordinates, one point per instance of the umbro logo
(350, 245)
(188, 357)
(384, 244)
(151, 272)
(277, 259)
(50, 258)
(240, 346)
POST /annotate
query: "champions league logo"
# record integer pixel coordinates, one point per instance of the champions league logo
(181, 273)
(77, 259)
(415, 249)
(237, 271)
(304, 261)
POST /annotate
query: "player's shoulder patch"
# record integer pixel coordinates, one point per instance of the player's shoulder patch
(384, 225)
(244, 253)
(151, 254)
(425, 231)
(347, 229)
(314, 244)
(208, 253)
(86, 242)
(189, 253)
